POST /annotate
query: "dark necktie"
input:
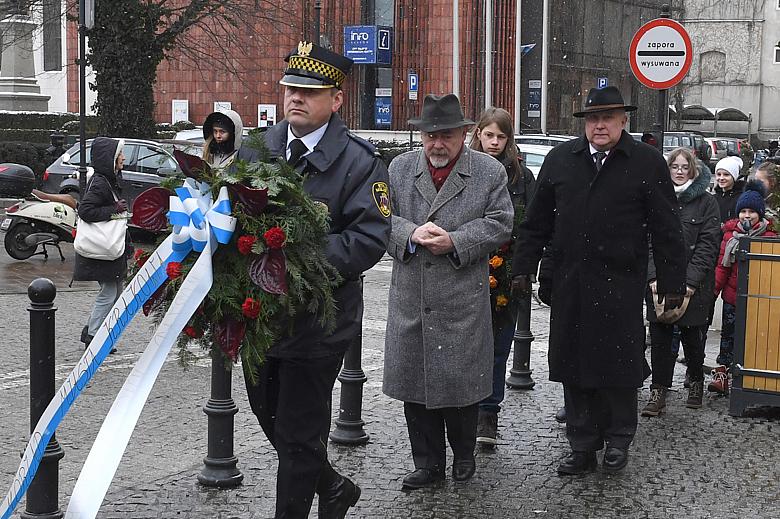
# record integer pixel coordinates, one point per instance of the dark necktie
(599, 157)
(297, 149)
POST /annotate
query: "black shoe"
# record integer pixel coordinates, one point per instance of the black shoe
(487, 428)
(463, 469)
(422, 478)
(335, 503)
(578, 463)
(615, 459)
(560, 416)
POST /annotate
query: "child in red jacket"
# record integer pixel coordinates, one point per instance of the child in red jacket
(750, 221)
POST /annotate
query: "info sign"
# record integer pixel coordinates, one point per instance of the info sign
(660, 53)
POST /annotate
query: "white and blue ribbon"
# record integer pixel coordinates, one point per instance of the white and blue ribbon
(207, 223)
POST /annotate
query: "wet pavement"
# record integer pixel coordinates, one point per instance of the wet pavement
(685, 463)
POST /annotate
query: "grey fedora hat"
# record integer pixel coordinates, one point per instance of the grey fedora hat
(440, 113)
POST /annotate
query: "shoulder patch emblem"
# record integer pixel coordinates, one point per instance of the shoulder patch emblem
(382, 197)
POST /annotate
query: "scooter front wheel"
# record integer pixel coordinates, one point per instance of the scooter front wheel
(14, 241)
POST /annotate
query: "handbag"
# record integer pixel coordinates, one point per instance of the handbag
(101, 240)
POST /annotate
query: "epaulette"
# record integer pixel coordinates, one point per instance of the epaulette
(364, 143)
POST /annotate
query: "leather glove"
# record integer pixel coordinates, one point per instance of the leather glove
(121, 206)
(545, 291)
(521, 285)
(671, 301)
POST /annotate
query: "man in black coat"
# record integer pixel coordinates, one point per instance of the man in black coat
(597, 198)
(343, 172)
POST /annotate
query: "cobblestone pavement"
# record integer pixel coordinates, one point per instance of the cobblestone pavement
(686, 463)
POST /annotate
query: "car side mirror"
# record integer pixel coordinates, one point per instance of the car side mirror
(166, 172)
(66, 158)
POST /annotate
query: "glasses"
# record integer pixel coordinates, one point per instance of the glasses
(675, 167)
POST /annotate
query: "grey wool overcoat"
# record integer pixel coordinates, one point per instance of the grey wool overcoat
(439, 340)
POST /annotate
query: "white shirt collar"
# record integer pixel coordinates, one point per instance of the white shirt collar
(310, 139)
(594, 150)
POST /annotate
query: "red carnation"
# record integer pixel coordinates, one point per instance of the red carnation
(250, 308)
(245, 244)
(173, 269)
(140, 256)
(274, 238)
(193, 332)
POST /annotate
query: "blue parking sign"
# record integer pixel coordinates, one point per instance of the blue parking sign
(602, 82)
(414, 84)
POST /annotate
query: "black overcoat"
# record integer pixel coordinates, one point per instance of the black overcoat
(700, 219)
(599, 224)
(345, 173)
(97, 205)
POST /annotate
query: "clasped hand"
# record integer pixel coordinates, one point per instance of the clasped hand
(433, 238)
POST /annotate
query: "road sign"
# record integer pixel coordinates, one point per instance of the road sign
(414, 83)
(602, 82)
(368, 44)
(660, 53)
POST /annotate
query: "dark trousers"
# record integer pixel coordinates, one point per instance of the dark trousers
(426, 434)
(598, 415)
(292, 402)
(728, 323)
(502, 344)
(663, 356)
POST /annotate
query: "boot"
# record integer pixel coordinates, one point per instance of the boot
(657, 401)
(720, 381)
(695, 394)
(487, 428)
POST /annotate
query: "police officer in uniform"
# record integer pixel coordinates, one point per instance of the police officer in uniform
(293, 394)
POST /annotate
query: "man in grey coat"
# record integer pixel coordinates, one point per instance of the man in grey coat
(451, 208)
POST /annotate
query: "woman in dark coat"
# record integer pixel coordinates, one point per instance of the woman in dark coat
(99, 203)
(494, 135)
(700, 220)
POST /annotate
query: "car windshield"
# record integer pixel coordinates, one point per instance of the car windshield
(533, 160)
(75, 156)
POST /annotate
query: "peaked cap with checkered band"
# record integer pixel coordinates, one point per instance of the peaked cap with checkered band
(312, 66)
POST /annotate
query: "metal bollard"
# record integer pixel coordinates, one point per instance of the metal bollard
(220, 468)
(42, 493)
(520, 374)
(349, 424)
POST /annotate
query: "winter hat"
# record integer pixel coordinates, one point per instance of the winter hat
(753, 198)
(731, 164)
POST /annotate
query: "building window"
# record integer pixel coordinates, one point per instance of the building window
(777, 54)
(52, 35)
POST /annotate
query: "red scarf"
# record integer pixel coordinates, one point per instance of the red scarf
(439, 175)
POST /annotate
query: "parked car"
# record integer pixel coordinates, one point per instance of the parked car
(725, 146)
(533, 156)
(693, 141)
(542, 139)
(146, 164)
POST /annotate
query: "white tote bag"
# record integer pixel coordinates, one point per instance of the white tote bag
(101, 240)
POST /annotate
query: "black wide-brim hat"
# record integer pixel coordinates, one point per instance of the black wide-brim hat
(312, 66)
(440, 113)
(603, 100)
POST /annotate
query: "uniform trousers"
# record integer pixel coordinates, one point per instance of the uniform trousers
(426, 434)
(595, 416)
(292, 402)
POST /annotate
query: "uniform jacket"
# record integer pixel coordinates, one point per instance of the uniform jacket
(439, 340)
(700, 219)
(345, 173)
(97, 205)
(727, 200)
(726, 277)
(599, 224)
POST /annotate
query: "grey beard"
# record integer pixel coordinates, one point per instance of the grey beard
(438, 162)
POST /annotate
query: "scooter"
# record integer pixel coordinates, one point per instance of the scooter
(44, 219)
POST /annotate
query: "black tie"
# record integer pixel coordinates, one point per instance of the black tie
(599, 156)
(297, 149)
